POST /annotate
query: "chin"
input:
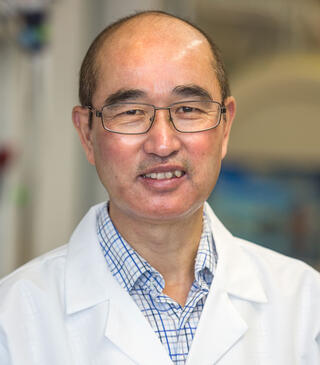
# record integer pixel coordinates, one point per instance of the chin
(165, 213)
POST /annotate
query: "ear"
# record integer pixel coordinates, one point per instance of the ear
(80, 118)
(230, 105)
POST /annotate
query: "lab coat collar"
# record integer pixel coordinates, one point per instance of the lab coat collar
(221, 325)
(89, 282)
(86, 269)
(236, 272)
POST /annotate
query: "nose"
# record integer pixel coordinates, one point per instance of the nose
(162, 139)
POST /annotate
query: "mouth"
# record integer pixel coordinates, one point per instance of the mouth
(164, 175)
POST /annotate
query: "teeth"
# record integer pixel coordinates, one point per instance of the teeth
(164, 175)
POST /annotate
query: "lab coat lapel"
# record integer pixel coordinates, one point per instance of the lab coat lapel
(129, 330)
(221, 325)
(89, 283)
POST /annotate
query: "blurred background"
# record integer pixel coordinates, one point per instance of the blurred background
(269, 190)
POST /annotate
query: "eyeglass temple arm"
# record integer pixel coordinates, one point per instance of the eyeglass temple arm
(91, 110)
(98, 113)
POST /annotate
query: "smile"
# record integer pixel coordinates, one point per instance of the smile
(164, 175)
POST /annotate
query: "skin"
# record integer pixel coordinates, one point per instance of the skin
(162, 220)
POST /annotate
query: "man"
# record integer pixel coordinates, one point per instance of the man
(153, 277)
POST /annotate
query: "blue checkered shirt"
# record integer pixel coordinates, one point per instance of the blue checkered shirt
(174, 325)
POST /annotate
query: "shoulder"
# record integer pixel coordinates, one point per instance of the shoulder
(47, 272)
(292, 289)
(38, 275)
(282, 269)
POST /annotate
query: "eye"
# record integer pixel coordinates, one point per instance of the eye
(134, 112)
(187, 109)
(128, 113)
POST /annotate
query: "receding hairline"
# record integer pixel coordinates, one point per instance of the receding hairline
(111, 33)
(152, 16)
(88, 84)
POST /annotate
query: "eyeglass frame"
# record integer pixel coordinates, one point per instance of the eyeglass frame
(98, 114)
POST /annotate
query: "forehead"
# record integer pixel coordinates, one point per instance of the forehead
(149, 29)
(153, 53)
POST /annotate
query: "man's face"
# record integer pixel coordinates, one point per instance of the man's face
(164, 69)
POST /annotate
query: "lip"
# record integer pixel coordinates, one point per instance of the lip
(163, 185)
(163, 168)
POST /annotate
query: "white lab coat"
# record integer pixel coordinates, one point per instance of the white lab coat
(65, 308)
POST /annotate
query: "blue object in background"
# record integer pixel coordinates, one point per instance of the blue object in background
(279, 210)
(34, 33)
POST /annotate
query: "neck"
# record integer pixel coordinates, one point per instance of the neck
(169, 247)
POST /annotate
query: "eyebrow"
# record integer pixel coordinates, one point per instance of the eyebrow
(191, 90)
(124, 95)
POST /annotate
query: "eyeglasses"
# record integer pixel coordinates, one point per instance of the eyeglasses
(137, 118)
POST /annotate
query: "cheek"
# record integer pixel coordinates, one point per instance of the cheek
(206, 154)
(114, 156)
(105, 155)
(206, 149)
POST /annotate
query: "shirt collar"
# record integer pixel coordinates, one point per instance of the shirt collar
(207, 257)
(127, 266)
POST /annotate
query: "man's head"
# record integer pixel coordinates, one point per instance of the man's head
(157, 59)
(89, 73)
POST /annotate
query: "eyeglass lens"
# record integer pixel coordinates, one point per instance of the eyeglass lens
(135, 118)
